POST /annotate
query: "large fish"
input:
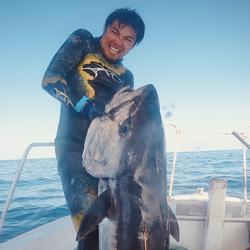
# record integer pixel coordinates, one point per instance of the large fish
(125, 149)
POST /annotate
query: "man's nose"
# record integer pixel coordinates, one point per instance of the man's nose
(119, 41)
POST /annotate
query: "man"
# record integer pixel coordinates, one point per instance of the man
(84, 75)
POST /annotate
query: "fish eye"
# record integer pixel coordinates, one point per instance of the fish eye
(124, 128)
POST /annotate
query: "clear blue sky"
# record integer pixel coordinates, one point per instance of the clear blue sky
(196, 53)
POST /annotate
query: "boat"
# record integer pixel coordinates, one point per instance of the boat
(207, 220)
(212, 220)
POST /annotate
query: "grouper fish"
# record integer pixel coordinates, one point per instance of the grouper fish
(125, 149)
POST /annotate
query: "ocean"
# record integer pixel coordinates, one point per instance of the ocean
(39, 198)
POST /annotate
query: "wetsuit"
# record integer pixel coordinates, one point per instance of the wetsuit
(79, 72)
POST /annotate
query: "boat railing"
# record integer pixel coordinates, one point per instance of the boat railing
(246, 145)
(17, 176)
(239, 136)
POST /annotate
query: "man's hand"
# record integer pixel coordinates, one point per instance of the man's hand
(93, 113)
(86, 107)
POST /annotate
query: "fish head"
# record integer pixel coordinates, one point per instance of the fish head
(116, 139)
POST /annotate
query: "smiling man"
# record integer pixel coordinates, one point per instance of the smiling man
(84, 75)
(117, 40)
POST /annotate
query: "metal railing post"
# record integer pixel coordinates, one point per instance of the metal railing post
(246, 145)
(17, 175)
(174, 159)
(245, 173)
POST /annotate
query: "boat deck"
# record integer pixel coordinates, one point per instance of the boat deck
(59, 234)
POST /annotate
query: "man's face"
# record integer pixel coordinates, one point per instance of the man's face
(117, 40)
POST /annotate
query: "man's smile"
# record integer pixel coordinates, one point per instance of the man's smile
(114, 50)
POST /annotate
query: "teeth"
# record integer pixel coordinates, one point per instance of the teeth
(114, 50)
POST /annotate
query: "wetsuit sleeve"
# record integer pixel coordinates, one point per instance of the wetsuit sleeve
(64, 61)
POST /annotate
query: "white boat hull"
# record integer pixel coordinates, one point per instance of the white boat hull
(212, 222)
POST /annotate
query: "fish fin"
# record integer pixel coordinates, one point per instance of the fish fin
(173, 224)
(95, 214)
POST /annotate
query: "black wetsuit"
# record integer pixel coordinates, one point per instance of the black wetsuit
(79, 70)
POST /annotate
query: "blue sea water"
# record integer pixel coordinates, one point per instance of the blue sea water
(39, 199)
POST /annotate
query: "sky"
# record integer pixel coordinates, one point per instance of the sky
(196, 53)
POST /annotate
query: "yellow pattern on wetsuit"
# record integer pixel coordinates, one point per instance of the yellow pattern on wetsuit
(100, 64)
(91, 195)
(76, 219)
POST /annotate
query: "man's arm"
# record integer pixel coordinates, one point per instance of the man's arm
(65, 60)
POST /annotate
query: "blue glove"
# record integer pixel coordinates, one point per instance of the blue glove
(86, 107)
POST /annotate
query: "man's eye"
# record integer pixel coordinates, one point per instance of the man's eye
(129, 40)
(114, 31)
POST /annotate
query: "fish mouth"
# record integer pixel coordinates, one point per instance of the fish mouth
(130, 103)
(148, 92)
(145, 100)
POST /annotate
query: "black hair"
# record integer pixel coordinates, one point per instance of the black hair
(128, 17)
